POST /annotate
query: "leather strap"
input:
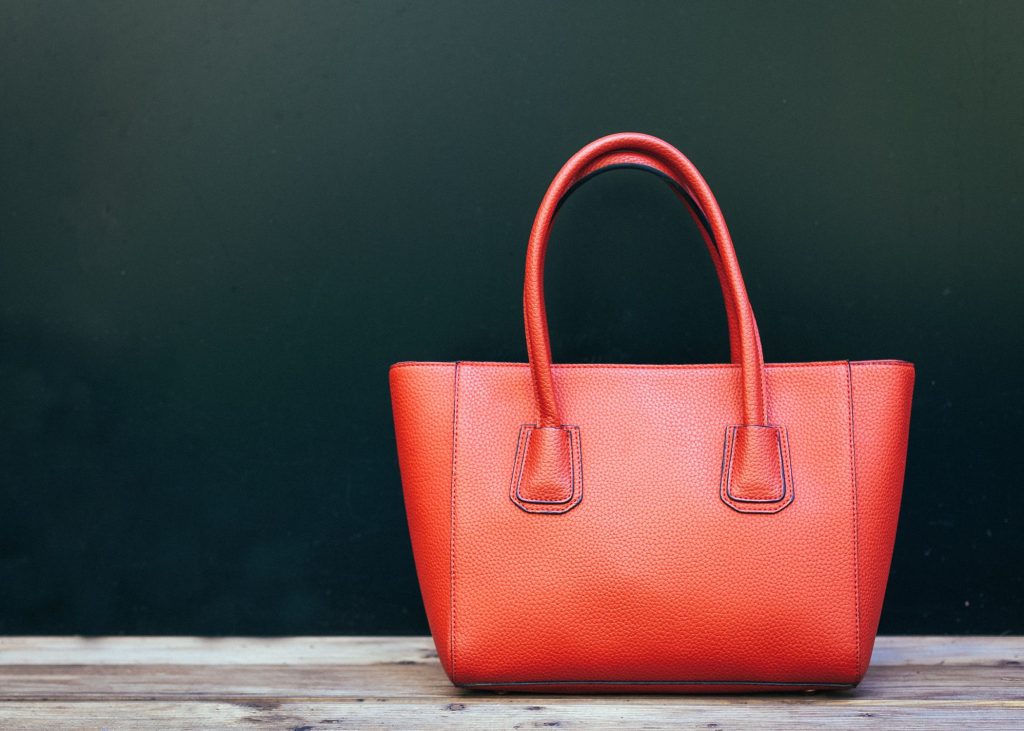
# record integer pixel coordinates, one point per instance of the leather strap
(642, 161)
(648, 152)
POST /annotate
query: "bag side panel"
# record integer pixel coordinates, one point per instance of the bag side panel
(882, 394)
(422, 396)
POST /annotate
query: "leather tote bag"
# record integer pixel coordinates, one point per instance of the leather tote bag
(659, 528)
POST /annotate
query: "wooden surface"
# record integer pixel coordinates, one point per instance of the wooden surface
(310, 683)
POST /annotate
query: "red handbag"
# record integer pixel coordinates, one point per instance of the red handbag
(690, 528)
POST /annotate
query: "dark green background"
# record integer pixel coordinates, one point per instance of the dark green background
(221, 222)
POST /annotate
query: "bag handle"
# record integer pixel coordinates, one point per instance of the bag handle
(643, 161)
(656, 154)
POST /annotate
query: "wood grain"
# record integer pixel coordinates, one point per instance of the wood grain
(310, 683)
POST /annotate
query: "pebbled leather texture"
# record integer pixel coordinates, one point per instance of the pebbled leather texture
(643, 528)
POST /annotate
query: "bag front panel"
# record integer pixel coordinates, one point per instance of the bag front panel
(652, 577)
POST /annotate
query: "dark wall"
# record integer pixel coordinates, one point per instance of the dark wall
(221, 222)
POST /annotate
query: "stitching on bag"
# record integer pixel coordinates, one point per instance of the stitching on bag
(787, 478)
(782, 466)
(788, 466)
(658, 366)
(636, 366)
(522, 470)
(856, 516)
(421, 364)
(519, 467)
(517, 471)
(789, 489)
(881, 363)
(524, 443)
(576, 475)
(451, 535)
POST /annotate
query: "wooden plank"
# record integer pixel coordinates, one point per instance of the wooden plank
(327, 682)
(214, 650)
(952, 650)
(675, 713)
(71, 650)
(331, 683)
